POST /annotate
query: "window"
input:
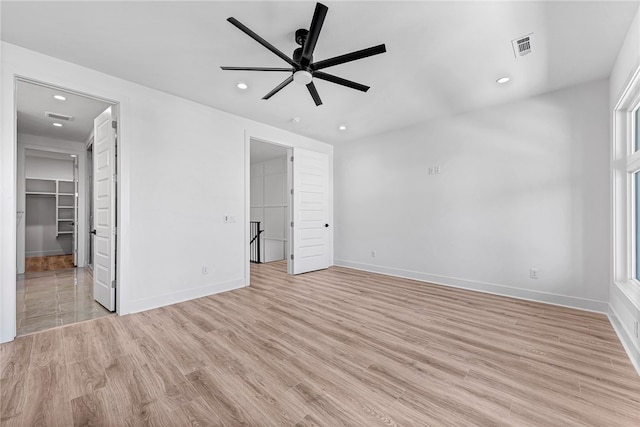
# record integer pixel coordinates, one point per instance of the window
(626, 186)
(636, 221)
(636, 138)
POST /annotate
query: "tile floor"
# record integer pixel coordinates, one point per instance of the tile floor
(48, 299)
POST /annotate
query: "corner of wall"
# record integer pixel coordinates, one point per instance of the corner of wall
(627, 340)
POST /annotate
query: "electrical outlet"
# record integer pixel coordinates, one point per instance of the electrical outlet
(373, 254)
(534, 273)
(436, 170)
(205, 270)
(431, 171)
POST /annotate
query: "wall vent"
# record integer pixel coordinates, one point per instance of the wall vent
(57, 116)
(522, 45)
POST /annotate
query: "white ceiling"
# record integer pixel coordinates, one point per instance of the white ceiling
(34, 100)
(442, 57)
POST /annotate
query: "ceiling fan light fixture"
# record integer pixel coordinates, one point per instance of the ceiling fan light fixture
(342, 127)
(302, 77)
(242, 86)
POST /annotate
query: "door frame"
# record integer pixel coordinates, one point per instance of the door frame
(88, 207)
(247, 202)
(21, 198)
(81, 158)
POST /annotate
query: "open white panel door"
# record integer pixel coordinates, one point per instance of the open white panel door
(310, 239)
(75, 211)
(104, 213)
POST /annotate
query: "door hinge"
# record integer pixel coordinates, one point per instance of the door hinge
(292, 191)
(291, 158)
(113, 284)
(291, 256)
(292, 223)
(114, 124)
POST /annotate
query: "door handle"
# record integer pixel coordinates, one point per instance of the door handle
(93, 232)
(326, 225)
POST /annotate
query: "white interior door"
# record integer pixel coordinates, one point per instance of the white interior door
(74, 238)
(104, 213)
(310, 239)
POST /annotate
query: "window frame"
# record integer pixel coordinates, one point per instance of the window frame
(625, 163)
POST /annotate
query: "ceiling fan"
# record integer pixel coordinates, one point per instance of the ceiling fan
(302, 67)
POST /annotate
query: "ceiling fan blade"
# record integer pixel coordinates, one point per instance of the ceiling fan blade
(260, 40)
(278, 88)
(339, 80)
(348, 57)
(314, 33)
(257, 69)
(314, 94)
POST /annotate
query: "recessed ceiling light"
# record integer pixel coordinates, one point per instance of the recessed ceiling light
(342, 127)
(502, 80)
(73, 155)
(242, 86)
(58, 125)
(60, 97)
(295, 119)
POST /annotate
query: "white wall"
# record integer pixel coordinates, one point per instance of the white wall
(178, 178)
(269, 205)
(624, 302)
(44, 168)
(41, 229)
(522, 185)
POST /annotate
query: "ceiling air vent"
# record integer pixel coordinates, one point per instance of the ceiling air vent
(57, 116)
(522, 45)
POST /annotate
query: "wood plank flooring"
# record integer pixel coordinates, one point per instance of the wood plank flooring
(48, 299)
(330, 348)
(48, 263)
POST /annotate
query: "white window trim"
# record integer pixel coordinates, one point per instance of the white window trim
(624, 163)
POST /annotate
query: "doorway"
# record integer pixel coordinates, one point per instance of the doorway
(289, 212)
(270, 202)
(54, 135)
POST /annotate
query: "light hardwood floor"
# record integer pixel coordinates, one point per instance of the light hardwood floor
(330, 348)
(48, 263)
(48, 299)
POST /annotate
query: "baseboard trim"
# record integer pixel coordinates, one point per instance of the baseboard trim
(53, 252)
(625, 339)
(145, 304)
(490, 288)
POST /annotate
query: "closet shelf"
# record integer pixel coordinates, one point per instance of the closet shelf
(39, 193)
